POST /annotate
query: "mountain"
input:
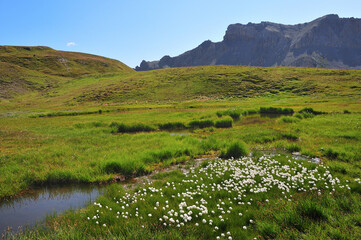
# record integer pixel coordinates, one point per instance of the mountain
(327, 42)
(24, 69)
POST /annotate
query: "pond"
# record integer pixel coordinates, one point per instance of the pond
(27, 210)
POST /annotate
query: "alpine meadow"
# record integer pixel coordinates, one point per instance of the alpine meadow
(192, 152)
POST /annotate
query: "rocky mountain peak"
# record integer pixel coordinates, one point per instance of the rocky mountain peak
(328, 41)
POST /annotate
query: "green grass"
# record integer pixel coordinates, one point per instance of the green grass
(38, 69)
(235, 150)
(276, 110)
(54, 133)
(184, 84)
(224, 123)
(219, 205)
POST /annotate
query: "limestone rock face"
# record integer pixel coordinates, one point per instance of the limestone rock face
(327, 42)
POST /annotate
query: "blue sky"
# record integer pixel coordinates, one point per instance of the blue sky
(131, 31)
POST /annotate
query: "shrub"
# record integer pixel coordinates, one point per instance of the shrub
(224, 123)
(235, 150)
(276, 110)
(201, 124)
(346, 112)
(172, 126)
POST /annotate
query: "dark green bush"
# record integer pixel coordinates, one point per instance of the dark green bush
(224, 123)
(346, 112)
(201, 124)
(235, 150)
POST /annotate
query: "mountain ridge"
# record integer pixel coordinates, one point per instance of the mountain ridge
(326, 42)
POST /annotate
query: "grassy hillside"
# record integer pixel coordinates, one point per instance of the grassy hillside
(63, 129)
(216, 82)
(199, 83)
(27, 69)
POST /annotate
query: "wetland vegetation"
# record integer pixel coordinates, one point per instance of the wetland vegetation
(98, 128)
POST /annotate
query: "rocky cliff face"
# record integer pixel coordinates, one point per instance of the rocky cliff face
(327, 42)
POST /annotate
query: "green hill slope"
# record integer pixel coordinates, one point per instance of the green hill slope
(213, 82)
(24, 69)
(41, 76)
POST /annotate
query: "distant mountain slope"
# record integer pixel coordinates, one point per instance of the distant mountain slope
(24, 69)
(208, 82)
(327, 42)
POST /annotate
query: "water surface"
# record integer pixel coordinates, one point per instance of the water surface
(27, 210)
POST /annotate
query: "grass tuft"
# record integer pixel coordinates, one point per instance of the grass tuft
(276, 110)
(235, 150)
(224, 123)
(312, 210)
(200, 124)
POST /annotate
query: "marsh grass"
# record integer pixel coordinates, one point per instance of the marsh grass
(131, 128)
(224, 123)
(295, 215)
(78, 146)
(235, 150)
(293, 148)
(310, 111)
(235, 114)
(276, 110)
(312, 210)
(268, 230)
(172, 126)
(201, 124)
(287, 119)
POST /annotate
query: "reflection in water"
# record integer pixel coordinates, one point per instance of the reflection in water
(33, 207)
(273, 115)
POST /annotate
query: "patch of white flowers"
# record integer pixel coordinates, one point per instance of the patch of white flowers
(229, 185)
